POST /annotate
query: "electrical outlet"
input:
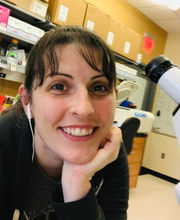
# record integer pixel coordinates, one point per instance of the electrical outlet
(163, 155)
(3, 75)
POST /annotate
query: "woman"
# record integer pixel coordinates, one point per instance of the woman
(60, 156)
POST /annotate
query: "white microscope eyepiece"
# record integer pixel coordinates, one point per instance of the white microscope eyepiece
(157, 67)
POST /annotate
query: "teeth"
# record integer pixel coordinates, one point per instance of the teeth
(78, 131)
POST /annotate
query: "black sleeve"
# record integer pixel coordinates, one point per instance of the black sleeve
(86, 208)
(114, 193)
(110, 203)
(4, 206)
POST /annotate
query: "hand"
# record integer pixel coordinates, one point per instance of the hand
(76, 178)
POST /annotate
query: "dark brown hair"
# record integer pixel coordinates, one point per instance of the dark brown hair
(91, 47)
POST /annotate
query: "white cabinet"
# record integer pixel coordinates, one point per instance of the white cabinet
(162, 154)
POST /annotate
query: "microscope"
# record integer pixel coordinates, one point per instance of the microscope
(167, 76)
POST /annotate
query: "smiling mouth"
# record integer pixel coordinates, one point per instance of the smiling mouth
(78, 132)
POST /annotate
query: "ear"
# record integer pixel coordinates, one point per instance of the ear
(25, 99)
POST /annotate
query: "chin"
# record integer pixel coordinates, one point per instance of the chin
(80, 158)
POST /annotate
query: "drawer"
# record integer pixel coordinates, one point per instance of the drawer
(133, 181)
(139, 140)
(139, 143)
(134, 169)
(135, 156)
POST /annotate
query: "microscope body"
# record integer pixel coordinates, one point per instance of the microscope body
(161, 71)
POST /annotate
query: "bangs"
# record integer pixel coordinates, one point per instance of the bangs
(43, 57)
(92, 56)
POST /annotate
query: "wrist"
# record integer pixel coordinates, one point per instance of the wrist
(75, 184)
(75, 190)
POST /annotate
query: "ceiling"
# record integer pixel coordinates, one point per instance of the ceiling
(166, 18)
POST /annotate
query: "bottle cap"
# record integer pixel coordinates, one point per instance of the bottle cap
(14, 41)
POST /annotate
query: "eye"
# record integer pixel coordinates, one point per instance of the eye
(100, 89)
(59, 88)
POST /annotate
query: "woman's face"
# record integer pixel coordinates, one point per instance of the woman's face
(73, 110)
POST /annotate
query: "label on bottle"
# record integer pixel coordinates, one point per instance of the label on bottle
(13, 66)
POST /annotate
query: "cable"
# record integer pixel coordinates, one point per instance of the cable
(33, 150)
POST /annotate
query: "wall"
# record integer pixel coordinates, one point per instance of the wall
(158, 143)
(172, 47)
(127, 14)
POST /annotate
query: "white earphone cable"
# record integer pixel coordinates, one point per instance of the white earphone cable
(30, 124)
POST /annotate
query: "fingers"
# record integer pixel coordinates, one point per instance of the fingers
(110, 150)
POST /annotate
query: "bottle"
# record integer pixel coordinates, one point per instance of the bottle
(2, 50)
(11, 55)
(13, 45)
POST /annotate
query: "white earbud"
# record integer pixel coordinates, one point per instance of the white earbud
(31, 128)
(28, 111)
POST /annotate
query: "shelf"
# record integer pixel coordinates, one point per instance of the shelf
(28, 17)
(13, 75)
(10, 35)
(129, 61)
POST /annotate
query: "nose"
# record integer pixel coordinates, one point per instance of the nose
(82, 104)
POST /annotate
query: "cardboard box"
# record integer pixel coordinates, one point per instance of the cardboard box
(126, 41)
(13, 1)
(67, 12)
(36, 7)
(14, 25)
(23, 29)
(97, 21)
(114, 36)
(130, 42)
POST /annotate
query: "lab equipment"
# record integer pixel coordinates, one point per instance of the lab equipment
(125, 89)
(167, 75)
(146, 118)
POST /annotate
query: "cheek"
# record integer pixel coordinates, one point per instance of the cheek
(47, 109)
(106, 109)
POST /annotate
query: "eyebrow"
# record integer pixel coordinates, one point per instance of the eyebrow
(71, 77)
(61, 74)
(98, 76)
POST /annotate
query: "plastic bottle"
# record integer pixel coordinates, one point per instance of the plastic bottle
(13, 45)
(11, 55)
(2, 50)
